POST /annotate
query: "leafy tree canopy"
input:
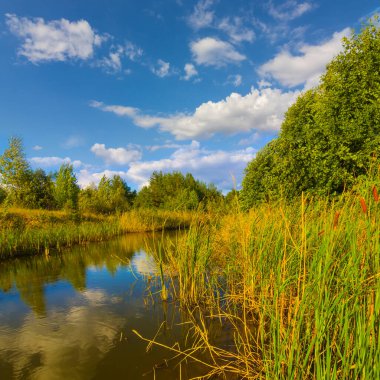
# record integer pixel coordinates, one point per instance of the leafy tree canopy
(175, 191)
(331, 133)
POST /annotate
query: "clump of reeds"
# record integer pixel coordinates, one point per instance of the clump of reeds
(296, 285)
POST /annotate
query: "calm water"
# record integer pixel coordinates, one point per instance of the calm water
(71, 315)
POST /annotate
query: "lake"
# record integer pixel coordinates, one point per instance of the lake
(70, 315)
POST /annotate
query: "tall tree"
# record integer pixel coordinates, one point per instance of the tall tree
(15, 171)
(66, 189)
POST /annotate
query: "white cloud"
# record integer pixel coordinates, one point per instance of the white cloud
(190, 71)
(219, 167)
(306, 68)
(235, 30)
(118, 156)
(57, 40)
(290, 9)
(259, 110)
(49, 162)
(168, 145)
(263, 83)
(162, 70)
(202, 16)
(112, 63)
(132, 51)
(118, 110)
(73, 142)
(235, 80)
(253, 139)
(210, 51)
(37, 147)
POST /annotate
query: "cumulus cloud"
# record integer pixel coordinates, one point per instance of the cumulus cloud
(306, 67)
(49, 162)
(259, 110)
(210, 51)
(289, 10)
(217, 166)
(118, 156)
(190, 71)
(162, 69)
(37, 147)
(57, 40)
(202, 15)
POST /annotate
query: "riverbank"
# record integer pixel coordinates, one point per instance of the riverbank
(25, 232)
(296, 288)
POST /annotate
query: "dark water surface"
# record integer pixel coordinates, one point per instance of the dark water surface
(71, 315)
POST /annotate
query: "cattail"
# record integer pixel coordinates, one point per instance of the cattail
(375, 194)
(336, 219)
(364, 206)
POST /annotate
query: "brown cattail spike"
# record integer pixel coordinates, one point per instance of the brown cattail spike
(375, 194)
(363, 205)
(336, 219)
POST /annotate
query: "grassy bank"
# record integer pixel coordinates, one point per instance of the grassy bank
(39, 231)
(295, 286)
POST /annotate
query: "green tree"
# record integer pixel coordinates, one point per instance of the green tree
(112, 195)
(330, 135)
(41, 194)
(66, 189)
(175, 191)
(15, 171)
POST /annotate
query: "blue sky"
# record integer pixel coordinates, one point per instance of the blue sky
(129, 87)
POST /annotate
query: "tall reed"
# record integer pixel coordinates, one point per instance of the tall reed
(296, 287)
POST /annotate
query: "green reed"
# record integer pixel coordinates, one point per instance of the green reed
(297, 287)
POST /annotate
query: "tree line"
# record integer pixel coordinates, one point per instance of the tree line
(21, 186)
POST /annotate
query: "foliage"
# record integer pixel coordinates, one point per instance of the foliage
(331, 133)
(175, 191)
(66, 190)
(111, 195)
(24, 187)
(3, 195)
(42, 190)
(15, 171)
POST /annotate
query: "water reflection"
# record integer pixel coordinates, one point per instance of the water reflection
(71, 315)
